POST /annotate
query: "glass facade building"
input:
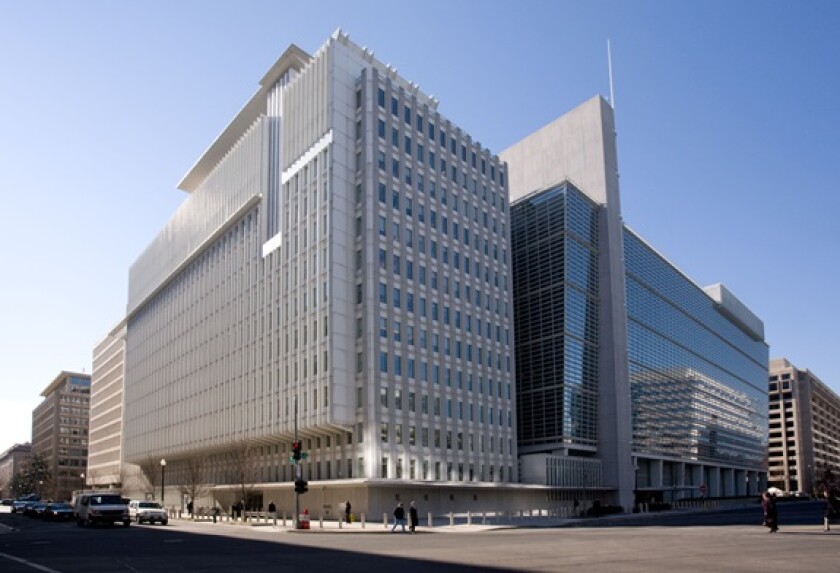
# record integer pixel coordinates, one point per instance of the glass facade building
(555, 277)
(696, 372)
(696, 358)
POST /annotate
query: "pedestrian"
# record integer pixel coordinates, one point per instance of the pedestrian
(399, 517)
(831, 509)
(190, 507)
(271, 507)
(348, 513)
(214, 512)
(413, 520)
(771, 517)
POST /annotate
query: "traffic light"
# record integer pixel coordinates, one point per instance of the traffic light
(300, 486)
(296, 447)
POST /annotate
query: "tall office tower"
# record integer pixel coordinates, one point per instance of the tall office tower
(339, 269)
(104, 466)
(804, 428)
(60, 433)
(579, 148)
(630, 377)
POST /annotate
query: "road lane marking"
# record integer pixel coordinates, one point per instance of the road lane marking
(29, 563)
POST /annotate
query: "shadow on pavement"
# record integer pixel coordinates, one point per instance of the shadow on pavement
(108, 549)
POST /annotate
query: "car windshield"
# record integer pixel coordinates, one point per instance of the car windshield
(150, 504)
(105, 500)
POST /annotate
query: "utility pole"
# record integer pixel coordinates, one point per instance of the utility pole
(297, 469)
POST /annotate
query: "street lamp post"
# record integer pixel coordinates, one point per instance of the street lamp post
(162, 478)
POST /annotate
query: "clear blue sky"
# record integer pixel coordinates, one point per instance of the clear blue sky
(729, 139)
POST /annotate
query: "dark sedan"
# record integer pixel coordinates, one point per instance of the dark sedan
(34, 509)
(58, 511)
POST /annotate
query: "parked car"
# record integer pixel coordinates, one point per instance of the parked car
(58, 511)
(105, 507)
(150, 511)
(33, 508)
(18, 506)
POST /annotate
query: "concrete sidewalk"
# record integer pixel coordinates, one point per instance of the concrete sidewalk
(443, 524)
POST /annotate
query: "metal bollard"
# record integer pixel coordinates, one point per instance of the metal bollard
(284, 519)
(430, 519)
(483, 518)
(321, 521)
(385, 520)
(340, 522)
(363, 520)
(469, 518)
(451, 519)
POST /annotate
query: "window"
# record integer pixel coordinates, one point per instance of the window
(380, 97)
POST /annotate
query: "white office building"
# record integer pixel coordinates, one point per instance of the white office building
(343, 250)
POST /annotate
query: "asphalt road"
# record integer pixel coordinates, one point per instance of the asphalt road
(669, 542)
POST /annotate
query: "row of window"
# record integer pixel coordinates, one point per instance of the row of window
(440, 135)
(442, 439)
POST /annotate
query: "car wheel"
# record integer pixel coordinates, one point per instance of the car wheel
(139, 521)
(164, 521)
(126, 523)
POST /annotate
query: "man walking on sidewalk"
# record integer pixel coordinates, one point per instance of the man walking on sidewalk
(399, 518)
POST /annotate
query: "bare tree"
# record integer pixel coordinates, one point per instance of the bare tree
(244, 464)
(194, 472)
(123, 475)
(149, 477)
(92, 477)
